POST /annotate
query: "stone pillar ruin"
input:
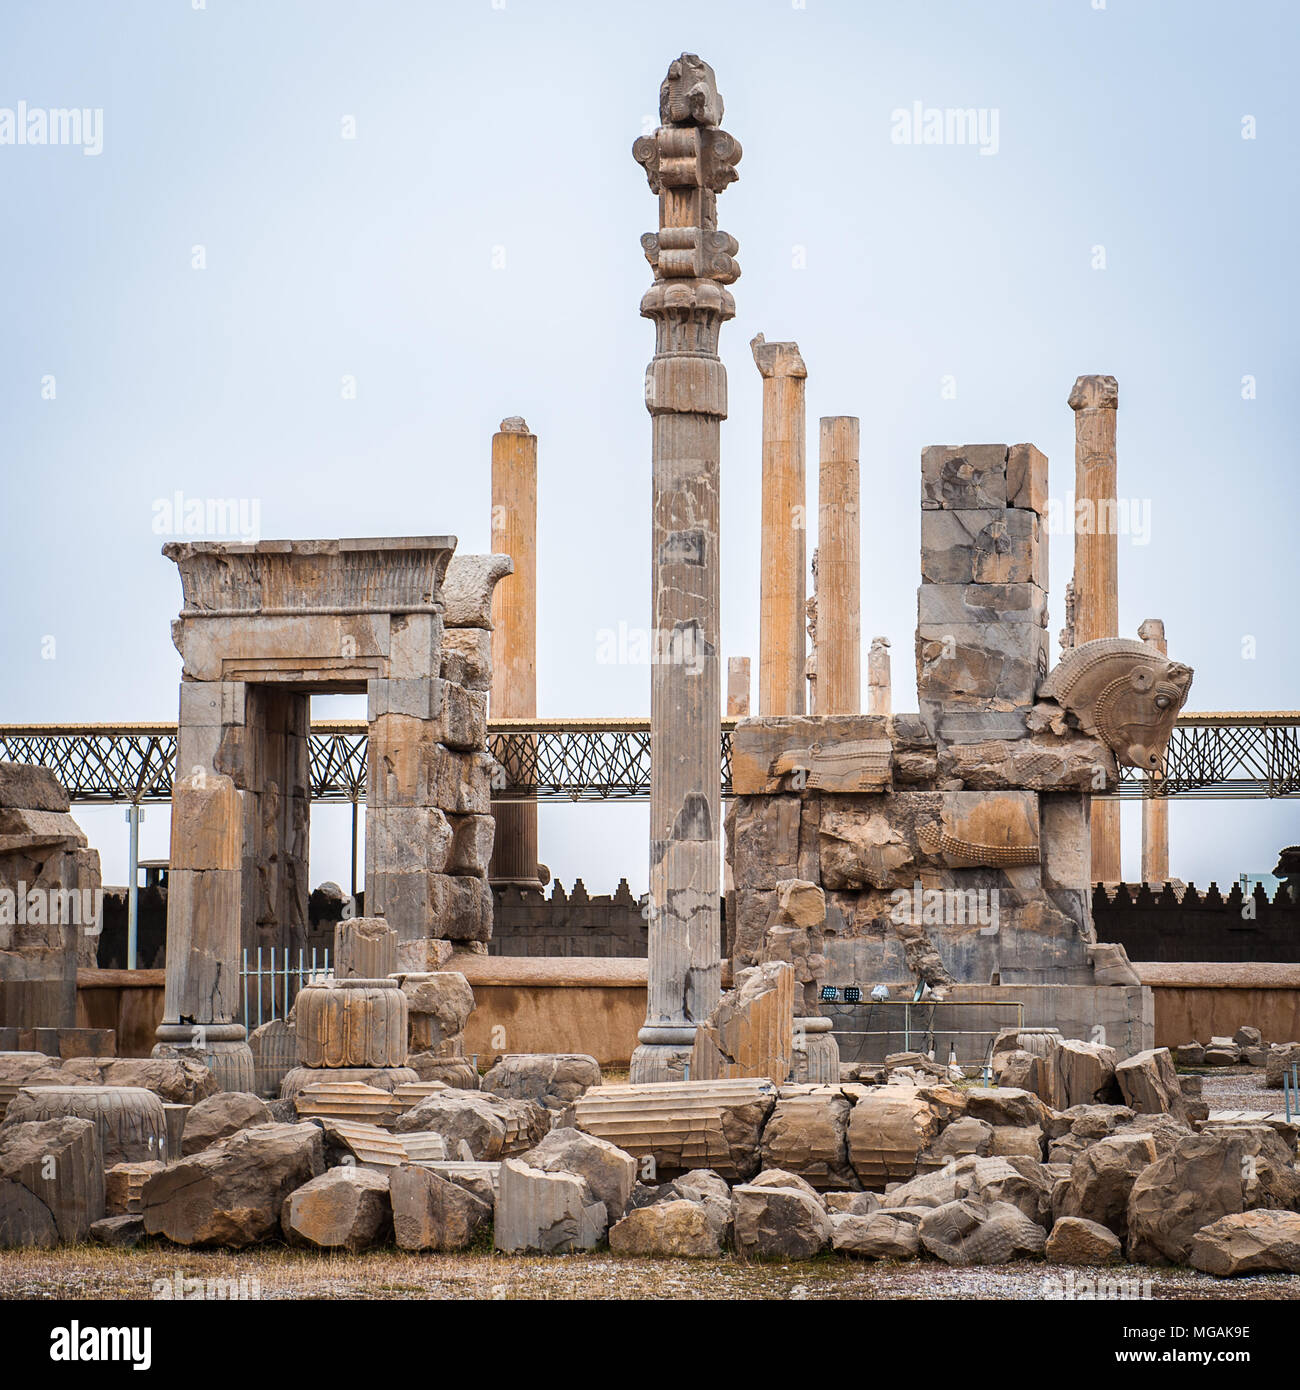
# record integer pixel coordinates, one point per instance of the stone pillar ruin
(1095, 402)
(782, 574)
(201, 1001)
(1155, 809)
(514, 633)
(839, 541)
(688, 161)
(879, 685)
(263, 627)
(738, 682)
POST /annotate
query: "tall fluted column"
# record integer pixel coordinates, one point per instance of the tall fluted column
(738, 681)
(783, 572)
(514, 632)
(1155, 809)
(688, 161)
(839, 642)
(1095, 401)
(879, 684)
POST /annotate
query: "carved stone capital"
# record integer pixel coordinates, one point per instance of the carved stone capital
(689, 93)
(1095, 393)
(777, 359)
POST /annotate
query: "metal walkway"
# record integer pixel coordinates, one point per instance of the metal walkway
(1213, 755)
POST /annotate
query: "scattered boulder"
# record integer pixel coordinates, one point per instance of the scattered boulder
(1165, 1131)
(439, 1004)
(1281, 1057)
(124, 1184)
(545, 1212)
(607, 1170)
(51, 1181)
(779, 1177)
(1149, 1082)
(232, 1192)
(122, 1232)
(1219, 1172)
(1025, 1141)
(887, 1131)
(1222, 1052)
(1248, 1242)
(430, 1212)
(709, 1191)
(1007, 1105)
(490, 1125)
(851, 1203)
(1102, 1178)
(784, 1223)
(878, 1235)
(670, 1228)
(221, 1115)
(343, 1209)
(1246, 1036)
(1074, 1240)
(552, 1079)
(806, 1134)
(962, 1138)
(180, 1080)
(1190, 1054)
(1020, 1181)
(974, 1232)
(1085, 1074)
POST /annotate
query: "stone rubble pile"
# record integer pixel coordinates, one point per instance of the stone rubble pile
(903, 1162)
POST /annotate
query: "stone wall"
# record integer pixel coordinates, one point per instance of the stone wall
(1177, 923)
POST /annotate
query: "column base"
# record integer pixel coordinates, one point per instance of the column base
(653, 1062)
(221, 1047)
(816, 1060)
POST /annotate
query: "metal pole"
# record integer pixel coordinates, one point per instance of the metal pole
(134, 815)
(354, 850)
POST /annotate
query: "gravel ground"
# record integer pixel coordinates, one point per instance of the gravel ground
(91, 1272)
(1238, 1088)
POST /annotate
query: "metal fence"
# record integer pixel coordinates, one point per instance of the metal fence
(869, 1030)
(270, 979)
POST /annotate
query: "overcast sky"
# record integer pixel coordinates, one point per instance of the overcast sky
(323, 249)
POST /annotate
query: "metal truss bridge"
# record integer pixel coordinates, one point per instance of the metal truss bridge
(1238, 754)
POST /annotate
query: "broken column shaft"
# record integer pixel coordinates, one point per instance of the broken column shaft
(839, 643)
(1155, 809)
(1095, 401)
(514, 633)
(782, 576)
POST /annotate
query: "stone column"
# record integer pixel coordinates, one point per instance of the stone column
(782, 574)
(1095, 400)
(1155, 809)
(514, 633)
(839, 647)
(738, 681)
(201, 997)
(879, 688)
(688, 161)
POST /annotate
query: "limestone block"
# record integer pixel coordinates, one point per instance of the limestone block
(232, 1192)
(1149, 1082)
(797, 753)
(491, 1126)
(878, 1235)
(346, 1100)
(609, 1172)
(887, 1130)
(763, 836)
(51, 1181)
(471, 845)
(121, 1232)
(467, 588)
(546, 1212)
(221, 1115)
(439, 1004)
(675, 1229)
(778, 1223)
(1102, 1178)
(806, 1135)
(415, 645)
(27, 786)
(963, 476)
(451, 714)
(467, 657)
(949, 606)
(552, 1079)
(994, 665)
(460, 907)
(971, 1232)
(1248, 1242)
(364, 948)
(1027, 478)
(342, 1209)
(750, 1032)
(386, 1079)
(1086, 1074)
(206, 823)
(681, 1126)
(872, 841)
(987, 546)
(1074, 1240)
(124, 1184)
(430, 1212)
